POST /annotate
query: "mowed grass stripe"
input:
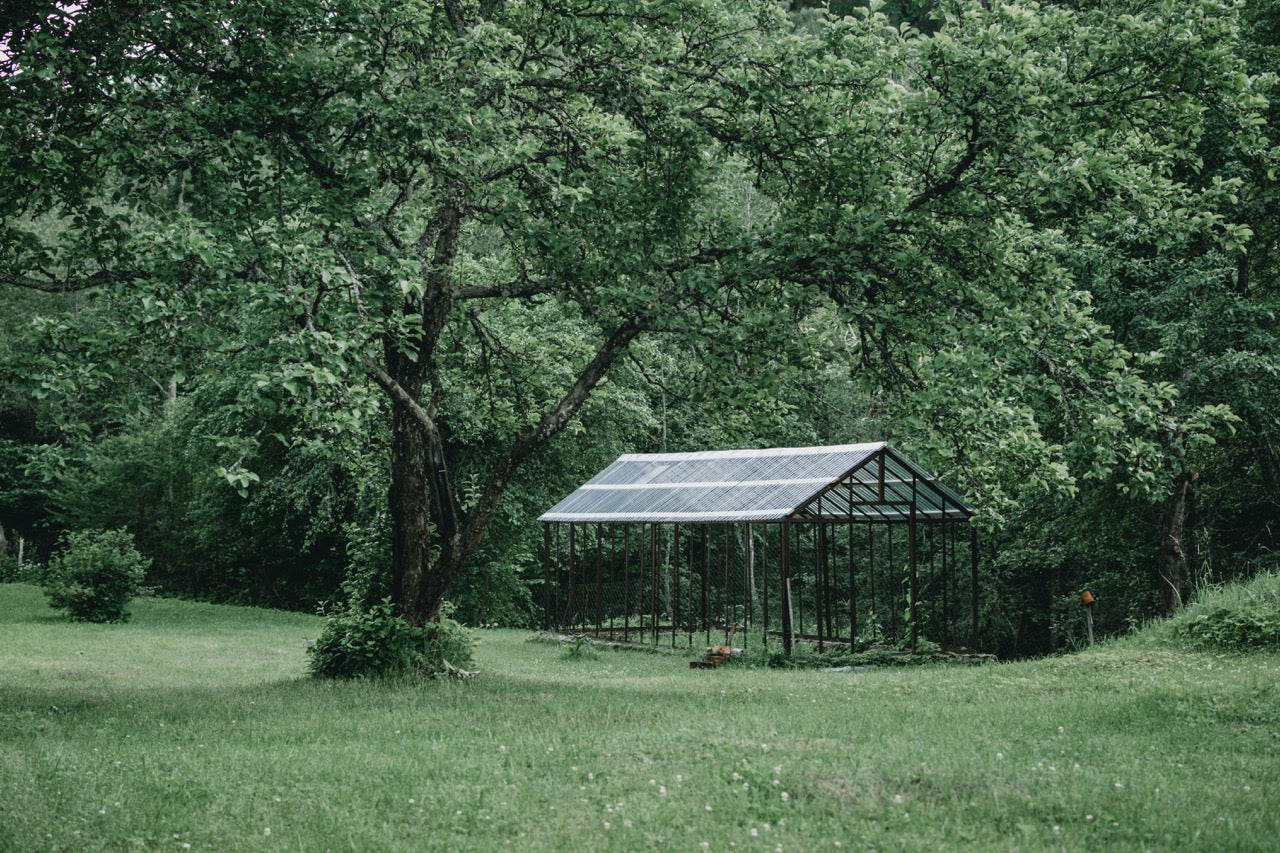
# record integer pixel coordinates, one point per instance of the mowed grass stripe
(195, 725)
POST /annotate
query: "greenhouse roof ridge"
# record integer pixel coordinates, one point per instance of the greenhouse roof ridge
(750, 452)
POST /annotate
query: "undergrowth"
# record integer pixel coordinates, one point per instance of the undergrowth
(1238, 617)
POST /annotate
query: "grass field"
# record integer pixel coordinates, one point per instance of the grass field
(194, 727)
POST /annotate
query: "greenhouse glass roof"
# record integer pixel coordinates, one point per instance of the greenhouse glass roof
(862, 482)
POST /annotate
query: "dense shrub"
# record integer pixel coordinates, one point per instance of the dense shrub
(373, 642)
(1240, 617)
(94, 574)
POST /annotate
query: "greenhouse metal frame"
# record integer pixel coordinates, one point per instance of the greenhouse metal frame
(836, 546)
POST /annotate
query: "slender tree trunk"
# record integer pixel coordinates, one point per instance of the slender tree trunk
(1171, 571)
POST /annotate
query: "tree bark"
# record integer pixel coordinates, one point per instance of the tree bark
(408, 498)
(1171, 570)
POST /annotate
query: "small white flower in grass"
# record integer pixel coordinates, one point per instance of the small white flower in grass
(1246, 787)
(764, 747)
(906, 816)
(754, 832)
(626, 823)
(897, 798)
(837, 843)
(746, 786)
(1088, 818)
(999, 756)
(707, 807)
(705, 845)
(662, 790)
(606, 824)
(591, 777)
(1057, 830)
(411, 801)
(1062, 730)
(785, 796)
(176, 836)
(102, 811)
(737, 777)
(1119, 785)
(679, 778)
(777, 782)
(782, 821)
(186, 846)
(777, 770)
(458, 813)
(653, 781)
(266, 832)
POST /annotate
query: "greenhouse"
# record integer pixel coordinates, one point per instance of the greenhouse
(836, 546)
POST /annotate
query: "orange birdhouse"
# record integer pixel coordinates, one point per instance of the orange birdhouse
(1086, 597)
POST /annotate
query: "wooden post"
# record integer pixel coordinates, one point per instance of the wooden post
(1086, 598)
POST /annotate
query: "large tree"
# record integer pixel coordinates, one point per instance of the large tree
(353, 188)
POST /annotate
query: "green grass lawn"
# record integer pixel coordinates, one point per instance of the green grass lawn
(195, 725)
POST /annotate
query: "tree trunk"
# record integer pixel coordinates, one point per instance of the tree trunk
(421, 497)
(1171, 571)
(409, 497)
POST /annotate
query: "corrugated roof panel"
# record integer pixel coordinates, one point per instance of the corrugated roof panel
(753, 485)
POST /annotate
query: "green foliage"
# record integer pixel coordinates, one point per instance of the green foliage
(1013, 239)
(1239, 617)
(577, 647)
(448, 647)
(31, 571)
(94, 574)
(373, 642)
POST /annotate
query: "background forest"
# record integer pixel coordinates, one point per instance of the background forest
(271, 274)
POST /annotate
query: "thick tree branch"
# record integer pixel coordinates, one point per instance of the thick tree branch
(510, 290)
(552, 423)
(402, 398)
(71, 285)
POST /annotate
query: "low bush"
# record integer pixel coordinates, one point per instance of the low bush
(373, 642)
(1240, 617)
(94, 574)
